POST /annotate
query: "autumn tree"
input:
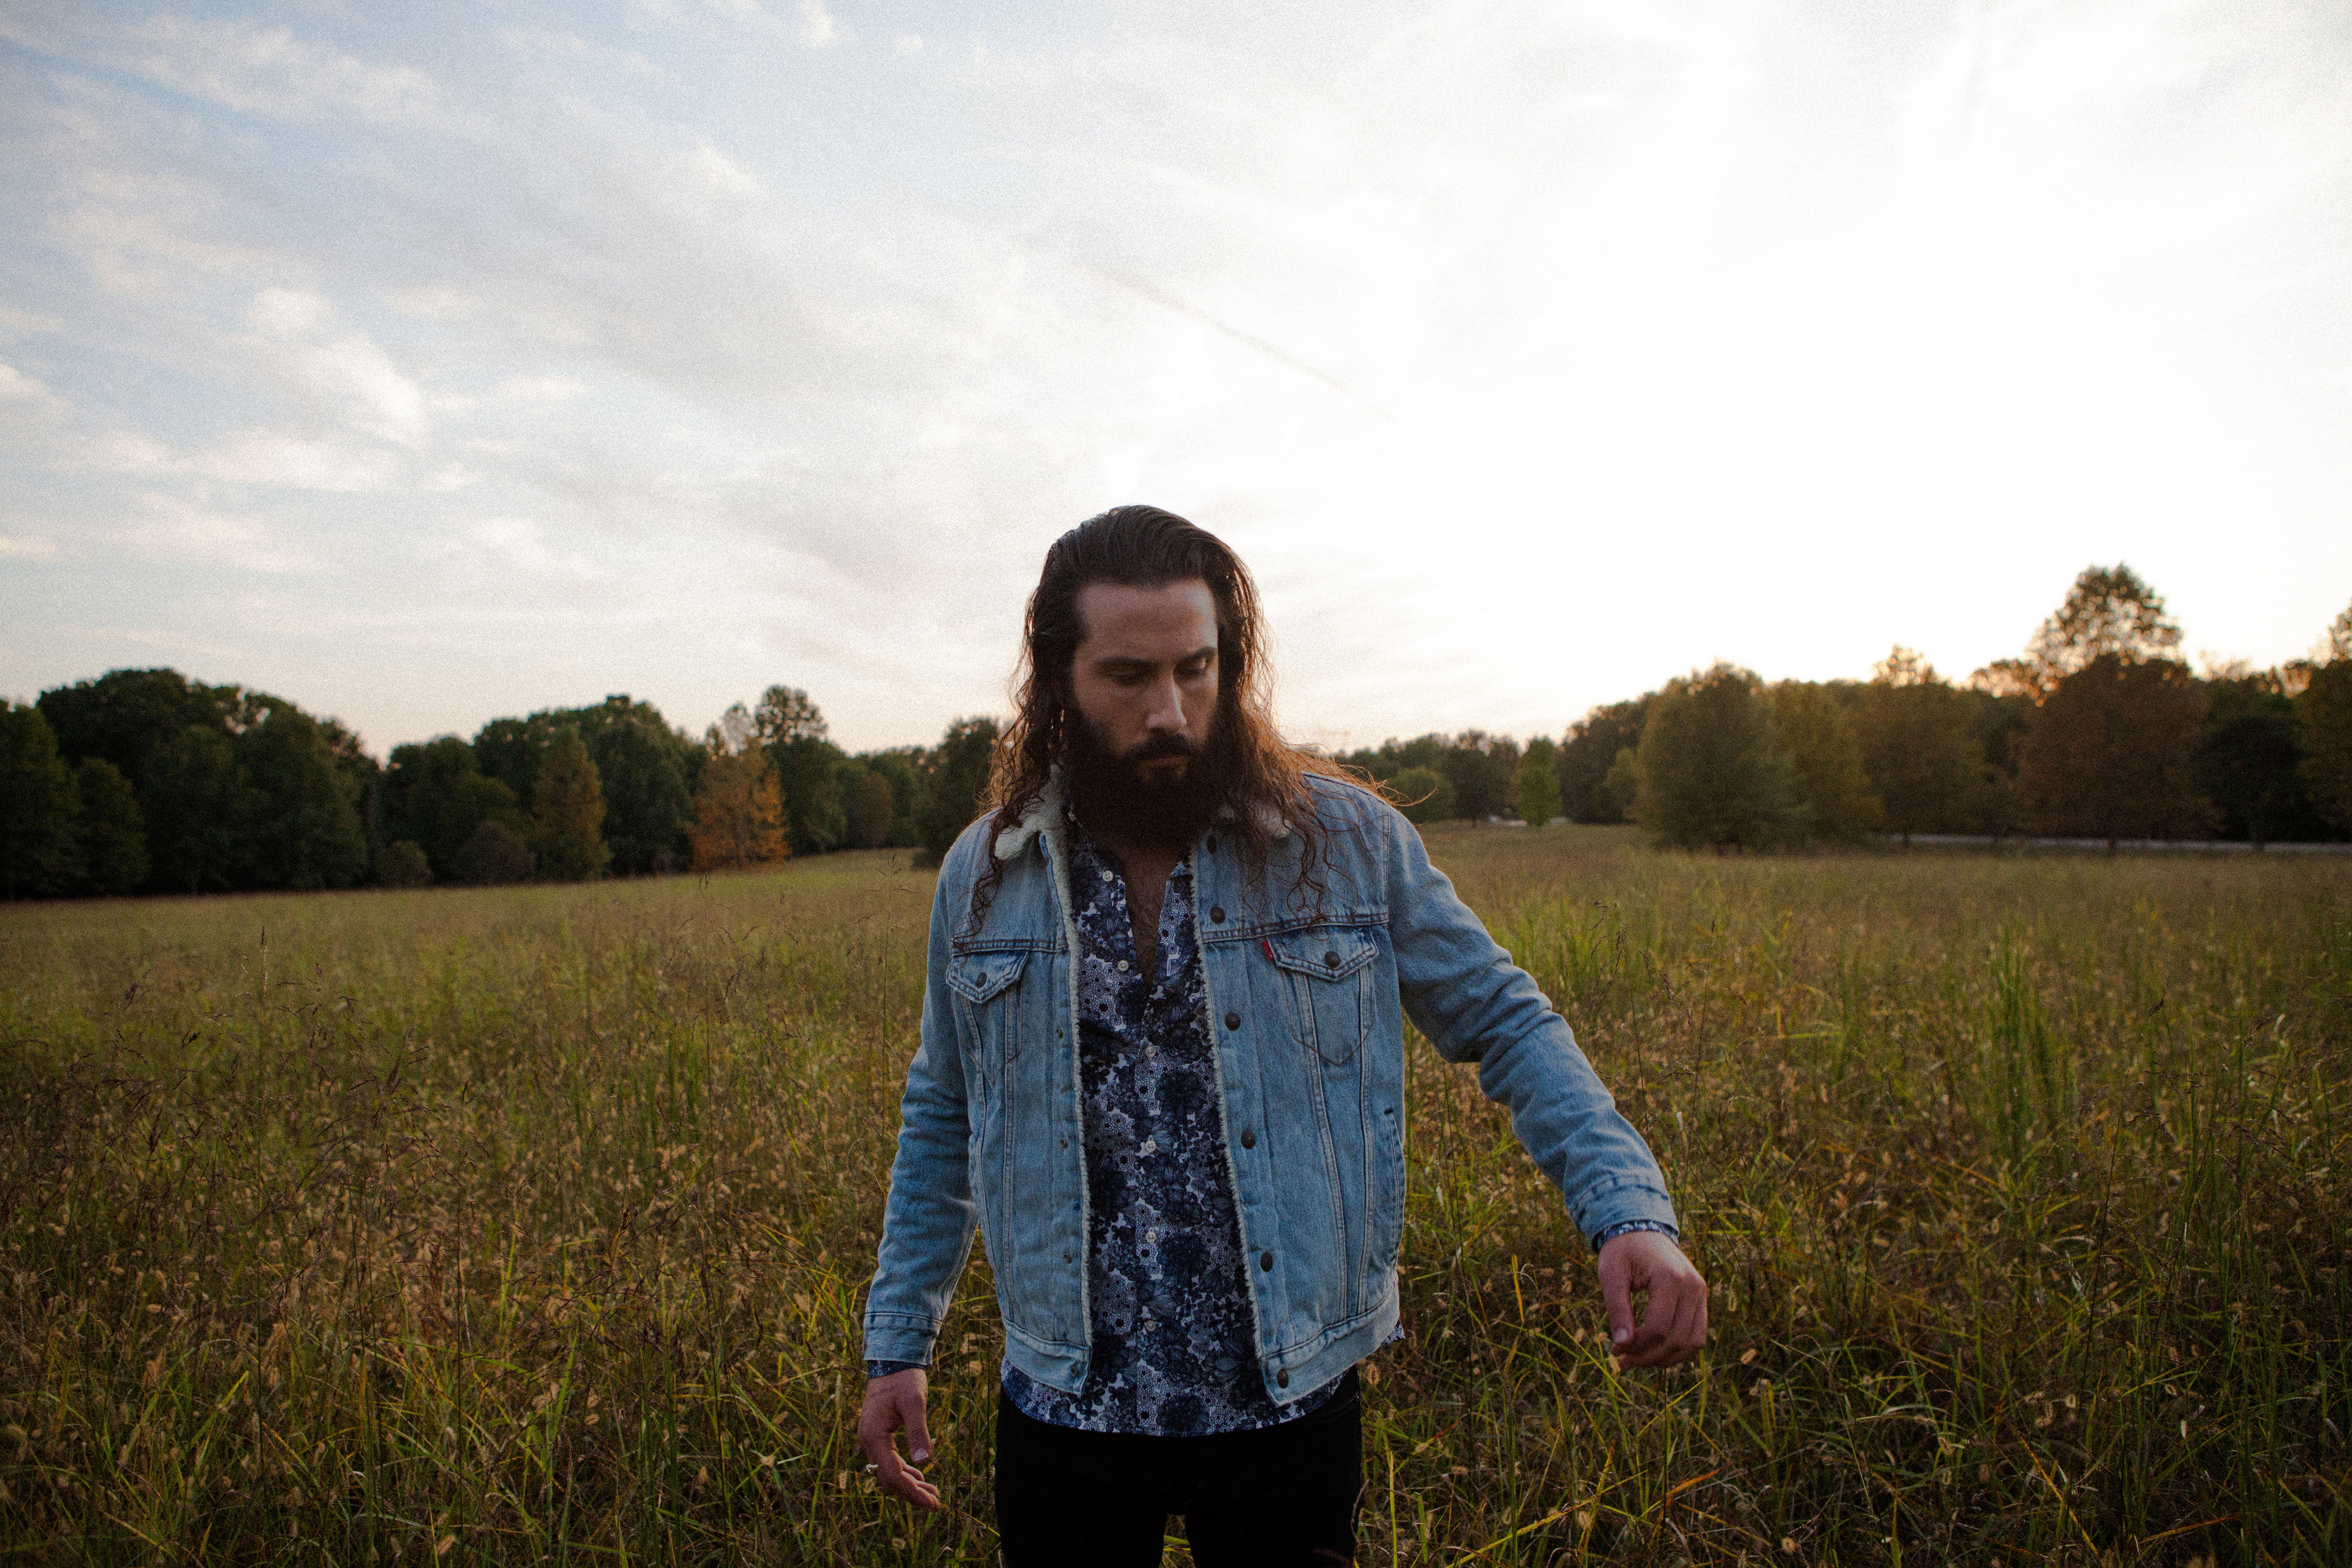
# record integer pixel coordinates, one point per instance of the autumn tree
(567, 813)
(1710, 771)
(2106, 754)
(2109, 611)
(1535, 788)
(1919, 746)
(1828, 781)
(739, 811)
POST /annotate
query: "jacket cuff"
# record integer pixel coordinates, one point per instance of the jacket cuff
(894, 1338)
(1620, 1203)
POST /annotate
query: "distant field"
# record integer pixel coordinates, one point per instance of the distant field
(532, 1225)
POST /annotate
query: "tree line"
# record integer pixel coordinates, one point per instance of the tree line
(2097, 729)
(145, 781)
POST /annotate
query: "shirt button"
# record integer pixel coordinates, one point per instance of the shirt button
(1249, 1138)
(1265, 1261)
(1232, 1020)
(1282, 1380)
(1216, 914)
(1122, 965)
(1151, 1050)
(1330, 961)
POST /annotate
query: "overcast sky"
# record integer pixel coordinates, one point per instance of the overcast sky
(428, 362)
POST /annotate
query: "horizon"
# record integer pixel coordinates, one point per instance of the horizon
(433, 366)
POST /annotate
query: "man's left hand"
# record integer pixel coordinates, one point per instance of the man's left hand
(1674, 1323)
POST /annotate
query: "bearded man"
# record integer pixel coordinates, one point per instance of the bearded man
(1162, 1071)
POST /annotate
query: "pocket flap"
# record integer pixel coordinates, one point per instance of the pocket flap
(977, 976)
(1322, 954)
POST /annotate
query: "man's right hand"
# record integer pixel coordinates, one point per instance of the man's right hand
(891, 1403)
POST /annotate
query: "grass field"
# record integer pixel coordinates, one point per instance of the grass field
(532, 1225)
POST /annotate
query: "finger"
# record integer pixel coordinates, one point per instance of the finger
(1679, 1339)
(919, 1430)
(1617, 1297)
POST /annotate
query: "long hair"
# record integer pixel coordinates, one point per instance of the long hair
(1144, 547)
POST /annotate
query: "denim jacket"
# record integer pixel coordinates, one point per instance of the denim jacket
(1308, 987)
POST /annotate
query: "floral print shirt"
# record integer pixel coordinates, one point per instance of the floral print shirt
(1174, 1348)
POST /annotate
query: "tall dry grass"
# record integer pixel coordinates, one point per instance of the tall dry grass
(532, 1225)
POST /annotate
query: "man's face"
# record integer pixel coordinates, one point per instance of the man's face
(1145, 678)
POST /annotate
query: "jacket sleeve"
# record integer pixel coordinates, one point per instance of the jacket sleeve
(927, 1225)
(1462, 989)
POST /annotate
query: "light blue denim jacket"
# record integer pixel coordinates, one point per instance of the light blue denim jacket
(1307, 992)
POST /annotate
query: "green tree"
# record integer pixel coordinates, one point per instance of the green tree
(303, 827)
(2324, 706)
(1481, 768)
(1919, 746)
(1422, 794)
(870, 806)
(958, 782)
(125, 716)
(1535, 786)
(401, 864)
(37, 830)
(808, 768)
(492, 855)
(2248, 759)
(1710, 771)
(200, 807)
(1590, 752)
(436, 797)
(567, 813)
(1830, 787)
(1622, 787)
(2107, 752)
(902, 768)
(113, 835)
(643, 767)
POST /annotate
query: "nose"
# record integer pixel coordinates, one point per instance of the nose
(1167, 714)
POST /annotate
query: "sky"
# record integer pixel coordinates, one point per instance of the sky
(431, 362)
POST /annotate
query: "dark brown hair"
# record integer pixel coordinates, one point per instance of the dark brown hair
(1144, 547)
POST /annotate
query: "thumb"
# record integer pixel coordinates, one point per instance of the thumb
(919, 1430)
(1617, 1296)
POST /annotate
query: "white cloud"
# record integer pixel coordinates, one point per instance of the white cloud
(182, 529)
(267, 71)
(26, 547)
(282, 459)
(817, 26)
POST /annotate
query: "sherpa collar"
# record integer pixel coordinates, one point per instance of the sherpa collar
(1045, 814)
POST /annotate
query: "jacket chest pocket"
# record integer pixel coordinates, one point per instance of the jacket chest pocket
(988, 992)
(1327, 985)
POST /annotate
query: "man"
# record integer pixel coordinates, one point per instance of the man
(1162, 1071)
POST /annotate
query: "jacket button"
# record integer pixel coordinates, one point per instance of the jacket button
(1330, 961)
(1265, 1261)
(1216, 914)
(1282, 1380)
(1249, 1138)
(1232, 1020)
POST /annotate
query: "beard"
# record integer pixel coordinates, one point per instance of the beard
(1120, 803)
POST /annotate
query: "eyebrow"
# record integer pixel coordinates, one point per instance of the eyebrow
(1127, 661)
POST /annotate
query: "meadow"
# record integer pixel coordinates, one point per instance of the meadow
(532, 1225)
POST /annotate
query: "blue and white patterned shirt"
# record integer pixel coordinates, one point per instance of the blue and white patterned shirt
(1174, 1347)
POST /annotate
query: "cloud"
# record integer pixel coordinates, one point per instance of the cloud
(179, 530)
(286, 461)
(269, 72)
(26, 547)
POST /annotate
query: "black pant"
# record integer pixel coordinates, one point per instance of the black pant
(1273, 1496)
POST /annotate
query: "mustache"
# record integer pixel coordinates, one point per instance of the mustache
(1153, 746)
